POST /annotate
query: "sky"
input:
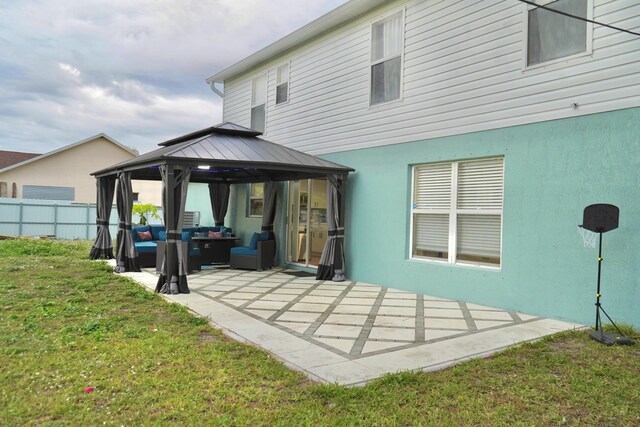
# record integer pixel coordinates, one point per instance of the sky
(133, 69)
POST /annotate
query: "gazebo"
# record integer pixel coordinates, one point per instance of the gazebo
(218, 156)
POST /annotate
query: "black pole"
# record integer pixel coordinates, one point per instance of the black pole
(598, 322)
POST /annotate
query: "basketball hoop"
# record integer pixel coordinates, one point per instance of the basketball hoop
(588, 237)
(598, 219)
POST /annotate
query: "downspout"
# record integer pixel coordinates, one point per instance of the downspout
(215, 90)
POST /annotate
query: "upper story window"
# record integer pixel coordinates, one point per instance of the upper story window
(386, 58)
(552, 36)
(457, 212)
(258, 103)
(282, 84)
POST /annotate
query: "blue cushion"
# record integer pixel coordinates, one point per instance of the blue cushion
(156, 230)
(146, 247)
(244, 250)
(264, 236)
(135, 230)
(162, 235)
(186, 236)
(253, 244)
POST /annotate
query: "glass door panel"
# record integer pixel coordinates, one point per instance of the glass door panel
(293, 251)
(307, 225)
(318, 220)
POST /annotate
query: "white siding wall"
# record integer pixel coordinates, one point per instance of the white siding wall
(463, 72)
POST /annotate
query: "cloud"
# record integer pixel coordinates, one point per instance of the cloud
(134, 69)
(69, 69)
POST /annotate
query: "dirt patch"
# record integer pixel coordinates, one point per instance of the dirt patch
(570, 346)
(206, 337)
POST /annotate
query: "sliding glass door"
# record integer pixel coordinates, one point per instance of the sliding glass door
(307, 221)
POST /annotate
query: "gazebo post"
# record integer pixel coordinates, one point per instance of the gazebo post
(169, 215)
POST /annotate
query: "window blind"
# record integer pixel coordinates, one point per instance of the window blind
(431, 232)
(433, 186)
(479, 236)
(44, 192)
(480, 184)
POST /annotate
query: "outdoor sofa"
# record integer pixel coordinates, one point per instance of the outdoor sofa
(147, 249)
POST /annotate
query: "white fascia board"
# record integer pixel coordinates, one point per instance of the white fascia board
(336, 18)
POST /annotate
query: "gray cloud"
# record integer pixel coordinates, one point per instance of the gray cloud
(134, 69)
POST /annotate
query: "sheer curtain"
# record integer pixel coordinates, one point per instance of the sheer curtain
(386, 55)
(552, 36)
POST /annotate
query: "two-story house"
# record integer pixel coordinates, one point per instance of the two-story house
(479, 131)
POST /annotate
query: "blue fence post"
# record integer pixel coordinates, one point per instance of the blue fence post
(88, 217)
(20, 220)
(55, 221)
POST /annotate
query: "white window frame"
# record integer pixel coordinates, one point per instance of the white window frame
(401, 10)
(288, 64)
(559, 62)
(253, 105)
(250, 198)
(453, 211)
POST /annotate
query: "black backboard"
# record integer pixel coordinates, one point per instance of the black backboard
(600, 217)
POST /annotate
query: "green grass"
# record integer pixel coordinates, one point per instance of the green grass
(67, 323)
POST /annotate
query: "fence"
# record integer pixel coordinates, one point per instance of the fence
(64, 220)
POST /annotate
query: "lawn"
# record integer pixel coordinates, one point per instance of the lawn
(68, 324)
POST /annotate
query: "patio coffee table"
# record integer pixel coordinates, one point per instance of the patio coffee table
(215, 250)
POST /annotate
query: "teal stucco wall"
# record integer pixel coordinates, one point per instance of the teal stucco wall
(552, 171)
(244, 226)
(198, 200)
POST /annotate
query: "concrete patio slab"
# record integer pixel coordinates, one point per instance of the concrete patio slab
(350, 333)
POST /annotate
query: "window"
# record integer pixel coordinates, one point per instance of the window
(256, 199)
(45, 192)
(457, 212)
(258, 102)
(386, 58)
(282, 84)
(552, 36)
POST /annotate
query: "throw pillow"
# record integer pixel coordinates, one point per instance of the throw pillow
(215, 234)
(253, 244)
(145, 236)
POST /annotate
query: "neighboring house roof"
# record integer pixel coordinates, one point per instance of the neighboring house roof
(233, 153)
(66, 147)
(336, 18)
(8, 158)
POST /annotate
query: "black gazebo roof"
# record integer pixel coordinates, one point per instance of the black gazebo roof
(227, 153)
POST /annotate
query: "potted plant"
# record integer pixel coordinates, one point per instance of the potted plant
(145, 211)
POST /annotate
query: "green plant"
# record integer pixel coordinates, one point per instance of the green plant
(145, 210)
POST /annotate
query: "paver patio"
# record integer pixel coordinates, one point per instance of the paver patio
(350, 332)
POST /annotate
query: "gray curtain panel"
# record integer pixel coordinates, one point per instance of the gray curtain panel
(102, 246)
(332, 260)
(269, 207)
(126, 254)
(175, 182)
(219, 195)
